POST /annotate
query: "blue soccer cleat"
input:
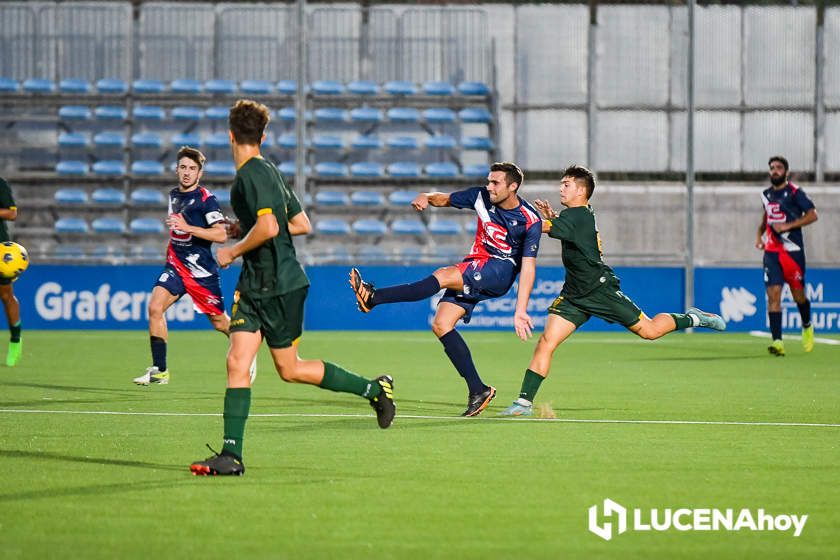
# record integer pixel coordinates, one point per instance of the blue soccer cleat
(520, 407)
(707, 320)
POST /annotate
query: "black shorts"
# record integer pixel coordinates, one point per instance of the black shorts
(278, 318)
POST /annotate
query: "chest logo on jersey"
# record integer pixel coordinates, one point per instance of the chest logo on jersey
(496, 236)
(774, 212)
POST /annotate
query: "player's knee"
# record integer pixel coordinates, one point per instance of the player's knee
(288, 373)
(156, 310)
(440, 327)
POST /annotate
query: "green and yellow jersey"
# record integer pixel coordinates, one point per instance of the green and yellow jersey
(271, 269)
(6, 201)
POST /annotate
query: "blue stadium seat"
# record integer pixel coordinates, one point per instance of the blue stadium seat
(218, 140)
(330, 114)
(114, 86)
(72, 167)
(475, 115)
(367, 198)
(287, 168)
(145, 226)
(473, 88)
(146, 252)
(327, 142)
(440, 142)
(363, 87)
(70, 196)
(327, 87)
(410, 255)
(439, 115)
(398, 87)
(367, 142)
(367, 169)
(448, 253)
(108, 195)
(222, 196)
(148, 113)
(71, 225)
(9, 85)
(404, 169)
(73, 140)
(403, 143)
(217, 113)
(186, 86)
(287, 141)
(73, 85)
(109, 140)
(104, 251)
(287, 114)
(480, 143)
(402, 198)
(147, 197)
(438, 88)
(147, 167)
(146, 140)
(38, 85)
(256, 87)
(332, 226)
(148, 86)
(74, 113)
(187, 113)
(268, 142)
(369, 226)
(331, 169)
(444, 227)
(408, 226)
(186, 139)
(287, 87)
(366, 115)
(220, 87)
(332, 198)
(109, 167)
(476, 170)
(441, 169)
(471, 226)
(108, 224)
(374, 255)
(404, 114)
(69, 252)
(110, 113)
(220, 169)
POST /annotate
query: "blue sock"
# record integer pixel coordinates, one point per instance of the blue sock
(805, 313)
(158, 352)
(422, 289)
(775, 324)
(459, 355)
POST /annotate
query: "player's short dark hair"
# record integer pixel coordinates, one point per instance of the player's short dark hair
(193, 154)
(512, 172)
(780, 159)
(581, 173)
(247, 121)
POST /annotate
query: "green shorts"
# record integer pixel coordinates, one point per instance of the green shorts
(278, 318)
(606, 302)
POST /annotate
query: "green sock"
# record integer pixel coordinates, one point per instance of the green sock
(530, 385)
(237, 404)
(682, 320)
(338, 379)
(15, 332)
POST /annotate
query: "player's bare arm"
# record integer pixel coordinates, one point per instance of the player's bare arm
(522, 322)
(808, 218)
(759, 241)
(424, 200)
(8, 214)
(266, 228)
(299, 224)
(215, 233)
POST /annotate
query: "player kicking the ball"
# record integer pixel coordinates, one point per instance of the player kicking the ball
(591, 287)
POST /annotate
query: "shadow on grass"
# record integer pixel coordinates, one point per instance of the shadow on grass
(704, 358)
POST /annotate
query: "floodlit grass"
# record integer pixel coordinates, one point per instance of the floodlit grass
(323, 481)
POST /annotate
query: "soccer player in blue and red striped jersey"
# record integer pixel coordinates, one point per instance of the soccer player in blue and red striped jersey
(506, 243)
(787, 209)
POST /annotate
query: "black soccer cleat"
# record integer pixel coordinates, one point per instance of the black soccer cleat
(363, 290)
(479, 401)
(218, 464)
(383, 403)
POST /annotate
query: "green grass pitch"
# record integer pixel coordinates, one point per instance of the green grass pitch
(95, 467)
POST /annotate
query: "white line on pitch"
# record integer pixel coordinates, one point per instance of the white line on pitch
(764, 334)
(427, 417)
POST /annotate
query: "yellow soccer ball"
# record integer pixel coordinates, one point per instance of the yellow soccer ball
(13, 259)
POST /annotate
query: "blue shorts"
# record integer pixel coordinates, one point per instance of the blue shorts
(206, 293)
(482, 280)
(784, 267)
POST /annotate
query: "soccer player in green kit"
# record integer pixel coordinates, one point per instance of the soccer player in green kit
(591, 287)
(8, 212)
(270, 295)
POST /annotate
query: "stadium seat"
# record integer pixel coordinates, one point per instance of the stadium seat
(369, 226)
(402, 198)
(403, 114)
(439, 115)
(287, 141)
(73, 85)
(108, 195)
(220, 87)
(367, 142)
(367, 198)
(185, 86)
(106, 252)
(441, 169)
(256, 87)
(110, 113)
(408, 226)
(9, 85)
(147, 197)
(289, 114)
(327, 142)
(337, 254)
(148, 113)
(448, 254)
(331, 169)
(440, 142)
(373, 255)
(148, 86)
(74, 113)
(148, 252)
(287, 168)
(69, 252)
(367, 169)
(444, 227)
(366, 115)
(71, 225)
(404, 169)
(332, 226)
(403, 143)
(471, 226)
(147, 167)
(186, 139)
(70, 196)
(330, 114)
(363, 87)
(108, 224)
(268, 142)
(38, 85)
(113, 86)
(481, 143)
(144, 226)
(476, 170)
(222, 196)
(220, 169)
(398, 87)
(287, 87)
(473, 88)
(72, 167)
(218, 140)
(475, 115)
(217, 113)
(73, 140)
(109, 140)
(109, 167)
(187, 113)
(327, 87)
(332, 198)
(410, 255)
(438, 88)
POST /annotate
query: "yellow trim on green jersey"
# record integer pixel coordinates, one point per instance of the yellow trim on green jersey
(263, 211)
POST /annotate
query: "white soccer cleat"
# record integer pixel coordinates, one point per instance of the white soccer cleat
(153, 376)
